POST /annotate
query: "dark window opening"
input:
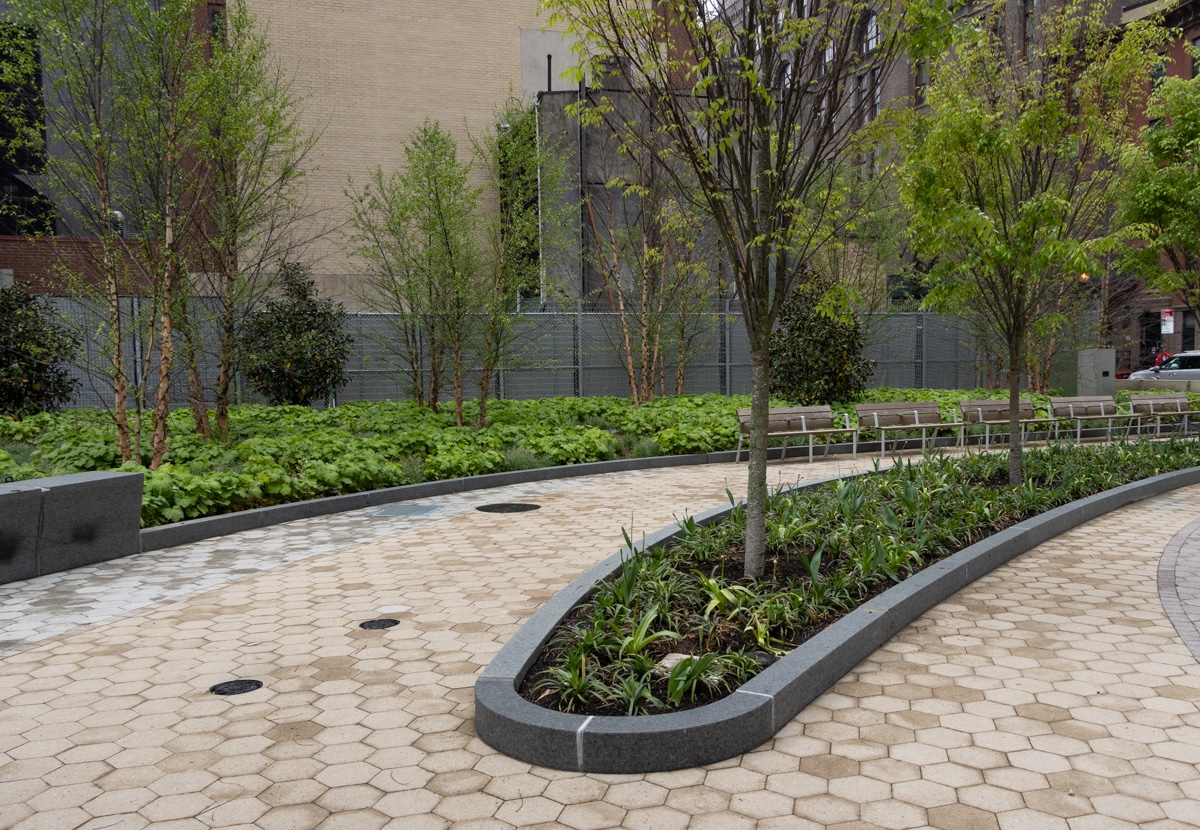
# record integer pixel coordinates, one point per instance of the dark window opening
(921, 82)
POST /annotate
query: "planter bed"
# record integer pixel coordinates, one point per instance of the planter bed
(756, 710)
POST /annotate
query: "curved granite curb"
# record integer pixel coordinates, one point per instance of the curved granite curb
(1179, 569)
(755, 712)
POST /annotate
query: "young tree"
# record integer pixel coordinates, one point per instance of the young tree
(524, 181)
(76, 46)
(163, 89)
(295, 349)
(35, 349)
(1161, 196)
(1008, 175)
(649, 246)
(416, 231)
(754, 101)
(251, 151)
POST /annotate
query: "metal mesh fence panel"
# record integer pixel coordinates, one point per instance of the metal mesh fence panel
(549, 353)
(915, 350)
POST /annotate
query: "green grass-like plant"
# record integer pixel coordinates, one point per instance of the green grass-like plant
(831, 548)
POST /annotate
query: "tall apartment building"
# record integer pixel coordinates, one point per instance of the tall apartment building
(371, 72)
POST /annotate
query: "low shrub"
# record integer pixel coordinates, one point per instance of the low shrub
(295, 452)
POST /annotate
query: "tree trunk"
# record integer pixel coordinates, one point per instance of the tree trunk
(162, 397)
(221, 397)
(196, 391)
(458, 383)
(1015, 475)
(120, 389)
(485, 377)
(756, 487)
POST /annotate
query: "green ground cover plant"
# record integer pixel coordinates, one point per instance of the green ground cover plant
(282, 454)
(830, 548)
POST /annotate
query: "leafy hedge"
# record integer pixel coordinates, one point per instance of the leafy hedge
(282, 454)
(830, 548)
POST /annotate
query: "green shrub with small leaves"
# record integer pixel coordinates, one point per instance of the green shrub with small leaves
(295, 350)
(35, 352)
(817, 358)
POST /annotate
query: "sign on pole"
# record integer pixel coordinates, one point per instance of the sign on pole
(1168, 321)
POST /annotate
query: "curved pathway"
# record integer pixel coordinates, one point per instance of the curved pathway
(1053, 693)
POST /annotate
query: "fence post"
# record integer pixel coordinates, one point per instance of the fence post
(578, 347)
(920, 348)
(722, 346)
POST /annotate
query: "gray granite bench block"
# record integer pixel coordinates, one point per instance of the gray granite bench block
(69, 521)
(20, 517)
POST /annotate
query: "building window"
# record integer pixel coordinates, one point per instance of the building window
(827, 59)
(921, 82)
(216, 22)
(1196, 57)
(866, 97)
(1158, 73)
(869, 39)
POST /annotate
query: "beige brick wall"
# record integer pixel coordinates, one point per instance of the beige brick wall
(372, 71)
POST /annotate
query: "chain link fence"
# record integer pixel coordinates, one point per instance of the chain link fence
(553, 353)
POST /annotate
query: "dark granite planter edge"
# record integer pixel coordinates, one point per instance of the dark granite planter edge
(754, 713)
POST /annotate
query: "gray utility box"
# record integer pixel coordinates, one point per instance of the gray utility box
(1097, 372)
(62, 522)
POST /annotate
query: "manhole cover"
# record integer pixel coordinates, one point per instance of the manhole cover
(508, 507)
(236, 687)
(375, 625)
(399, 511)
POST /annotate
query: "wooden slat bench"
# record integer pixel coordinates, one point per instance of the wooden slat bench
(1170, 406)
(993, 412)
(796, 421)
(1087, 408)
(903, 416)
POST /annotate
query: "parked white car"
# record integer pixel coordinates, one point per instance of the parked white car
(1183, 366)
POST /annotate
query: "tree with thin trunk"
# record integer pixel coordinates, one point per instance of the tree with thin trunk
(252, 152)
(652, 248)
(163, 88)
(74, 49)
(416, 232)
(1009, 174)
(759, 103)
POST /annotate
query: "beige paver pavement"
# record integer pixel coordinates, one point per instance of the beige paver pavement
(1054, 693)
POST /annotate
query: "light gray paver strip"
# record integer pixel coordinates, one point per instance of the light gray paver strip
(31, 610)
(1052, 693)
(1179, 584)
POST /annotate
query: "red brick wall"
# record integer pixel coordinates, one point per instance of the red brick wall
(40, 264)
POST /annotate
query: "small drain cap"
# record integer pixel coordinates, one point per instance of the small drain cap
(376, 625)
(236, 687)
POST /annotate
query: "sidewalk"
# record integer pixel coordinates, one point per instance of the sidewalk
(1053, 693)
